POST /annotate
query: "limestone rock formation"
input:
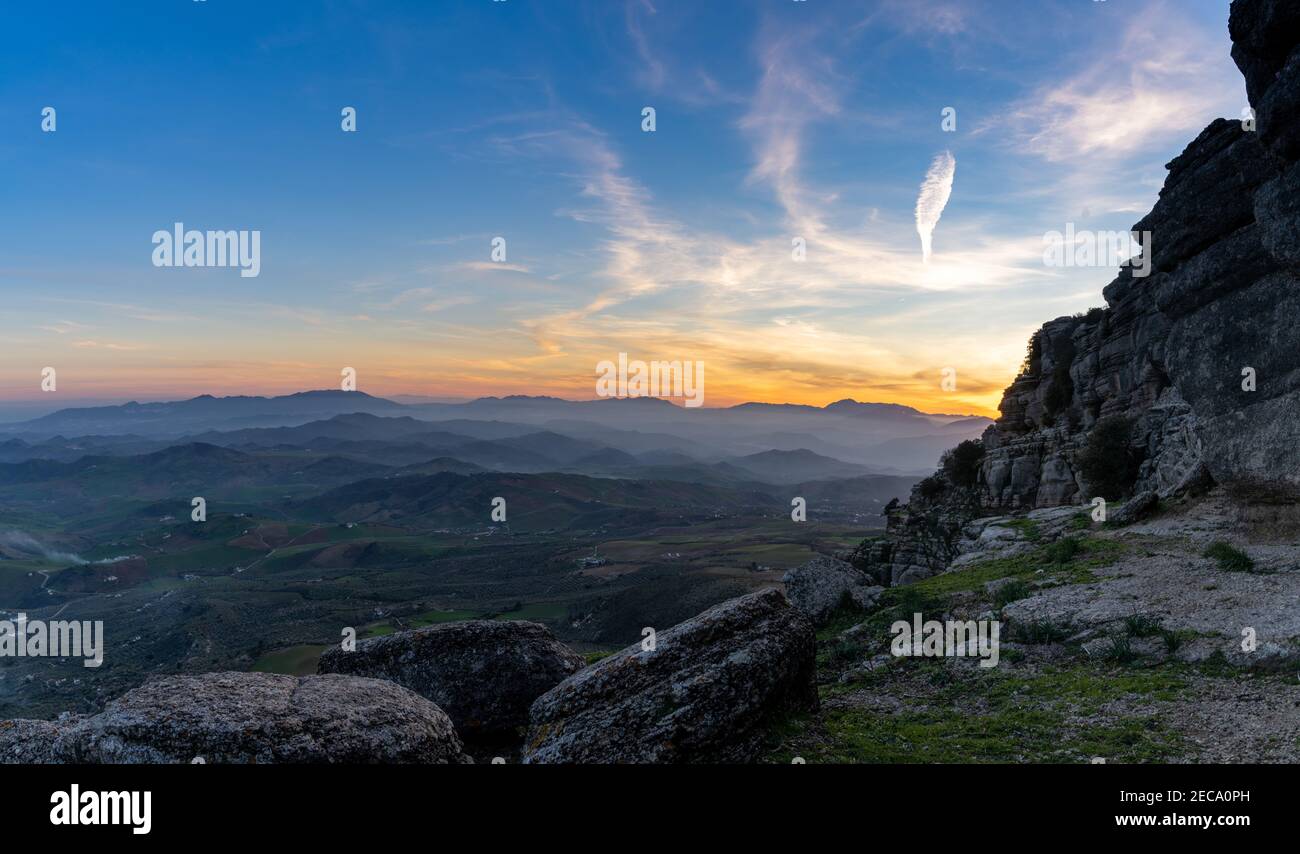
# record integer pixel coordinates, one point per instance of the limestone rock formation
(824, 583)
(701, 695)
(484, 674)
(1189, 377)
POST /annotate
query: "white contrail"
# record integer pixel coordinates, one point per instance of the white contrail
(930, 202)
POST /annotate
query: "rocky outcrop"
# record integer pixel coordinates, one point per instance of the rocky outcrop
(702, 694)
(1196, 367)
(1173, 352)
(824, 583)
(246, 718)
(921, 537)
(484, 674)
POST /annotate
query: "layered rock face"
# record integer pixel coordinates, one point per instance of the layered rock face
(1196, 366)
(1170, 352)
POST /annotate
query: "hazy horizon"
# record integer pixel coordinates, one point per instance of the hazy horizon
(15, 411)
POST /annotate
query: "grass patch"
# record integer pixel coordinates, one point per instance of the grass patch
(1028, 529)
(1142, 626)
(292, 661)
(1039, 632)
(1072, 564)
(1020, 719)
(896, 603)
(1010, 592)
(1229, 558)
(1120, 651)
(1063, 551)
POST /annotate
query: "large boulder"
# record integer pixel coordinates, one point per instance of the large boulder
(823, 584)
(484, 674)
(703, 694)
(260, 718)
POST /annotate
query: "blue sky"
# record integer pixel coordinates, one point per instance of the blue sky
(522, 119)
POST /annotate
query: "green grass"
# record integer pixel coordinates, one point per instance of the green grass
(197, 559)
(1019, 719)
(293, 661)
(1063, 551)
(896, 603)
(1142, 626)
(1085, 555)
(430, 618)
(1028, 529)
(1120, 651)
(1229, 558)
(534, 611)
(1010, 592)
(1039, 632)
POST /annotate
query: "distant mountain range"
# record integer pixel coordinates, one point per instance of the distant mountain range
(518, 433)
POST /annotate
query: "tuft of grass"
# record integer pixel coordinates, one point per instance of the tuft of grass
(896, 603)
(1120, 651)
(1010, 592)
(1229, 558)
(840, 652)
(1173, 640)
(902, 602)
(1028, 529)
(1039, 631)
(1063, 551)
(1142, 626)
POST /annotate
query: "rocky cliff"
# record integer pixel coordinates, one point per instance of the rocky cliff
(1190, 376)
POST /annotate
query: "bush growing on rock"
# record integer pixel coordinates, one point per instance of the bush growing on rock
(1060, 392)
(962, 463)
(1011, 592)
(930, 489)
(1063, 551)
(1107, 461)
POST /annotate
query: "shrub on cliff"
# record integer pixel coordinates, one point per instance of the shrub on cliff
(1107, 462)
(930, 489)
(1060, 390)
(962, 463)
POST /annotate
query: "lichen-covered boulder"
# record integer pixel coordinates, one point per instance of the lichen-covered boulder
(28, 742)
(823, 584)
(703, 694)
(263, 718)
(484, 674)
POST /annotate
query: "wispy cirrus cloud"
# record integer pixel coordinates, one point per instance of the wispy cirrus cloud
(1162, 80)
(653, 72)
(108, 345)
(64, 327)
